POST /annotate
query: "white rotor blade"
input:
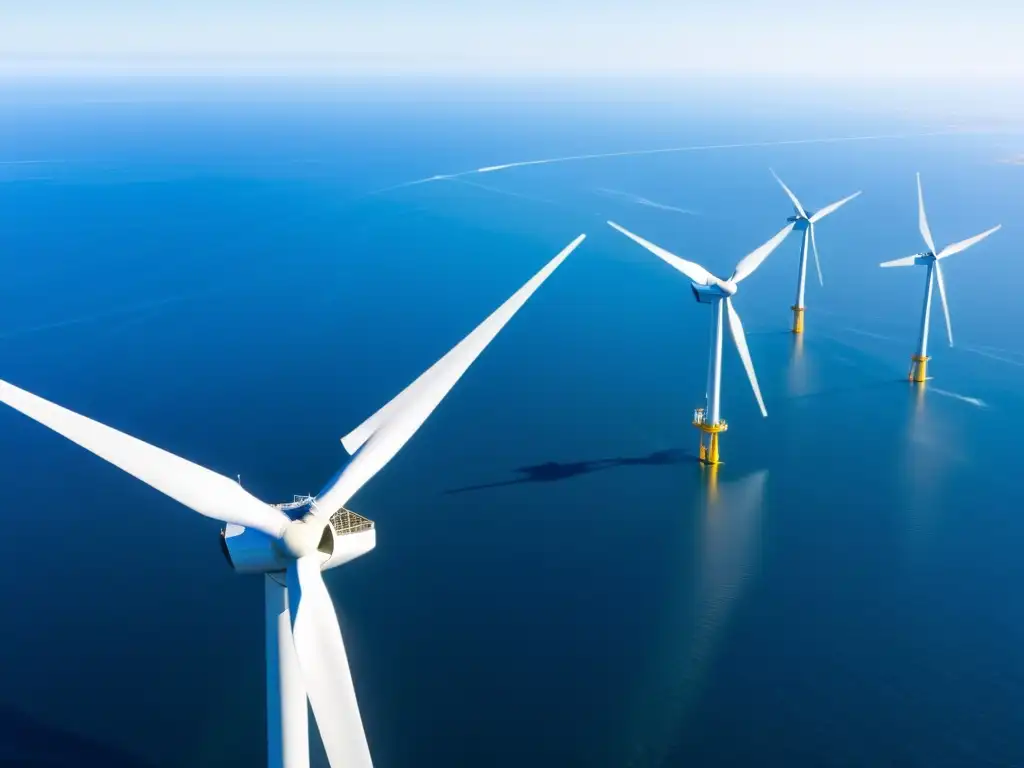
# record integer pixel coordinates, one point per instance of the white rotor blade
(736, 329)
(963, 245)
(945, 306)
(381, 436)
(324, 665)
(753, 260)
(814, 247)
(922, 219)
(819, 215)
(198, 488)
(796, 203)
(695, 272)
(906, 261)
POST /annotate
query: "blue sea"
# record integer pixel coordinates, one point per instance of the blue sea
(557, 582)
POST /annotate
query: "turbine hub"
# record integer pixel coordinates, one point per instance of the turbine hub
(306, 536)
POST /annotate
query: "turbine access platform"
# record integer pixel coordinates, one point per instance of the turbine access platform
(709, 452)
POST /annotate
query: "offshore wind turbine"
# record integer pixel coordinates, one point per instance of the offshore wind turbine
(708, 289)
(804, 222)
(931, 259)
(292, 543)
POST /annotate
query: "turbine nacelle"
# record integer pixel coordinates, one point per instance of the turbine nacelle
(344, 537)
(709, 294)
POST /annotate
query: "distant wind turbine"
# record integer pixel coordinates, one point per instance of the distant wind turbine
(931, 259)
(708, 289)
(804, 221)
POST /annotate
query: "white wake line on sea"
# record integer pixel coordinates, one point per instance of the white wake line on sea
(499, 191)
(984, 351)
(148, 306)
(991, 356)
(665, 150)
(644, 201)
(870, 334)
(963, 398)
(29, 162)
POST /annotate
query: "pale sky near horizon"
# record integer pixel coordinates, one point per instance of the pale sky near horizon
(979, 38)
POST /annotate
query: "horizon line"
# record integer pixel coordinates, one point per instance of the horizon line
(291, 68)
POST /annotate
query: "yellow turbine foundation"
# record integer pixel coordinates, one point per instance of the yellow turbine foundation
(709, 451)
(798, 319)
(918, 368)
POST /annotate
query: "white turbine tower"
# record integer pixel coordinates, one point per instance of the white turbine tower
(804, 221)
(708, 289)
(292, 543)
(931, 259)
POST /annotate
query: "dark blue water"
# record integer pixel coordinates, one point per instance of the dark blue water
(556, 581)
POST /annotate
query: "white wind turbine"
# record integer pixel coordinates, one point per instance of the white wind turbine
(931, 259)
(804, 221)
(708, 289)
(293, 542)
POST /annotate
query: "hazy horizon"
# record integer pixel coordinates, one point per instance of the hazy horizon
(652, 37)
(931, 102)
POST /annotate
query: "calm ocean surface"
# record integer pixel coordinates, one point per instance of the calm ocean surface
(556, 581)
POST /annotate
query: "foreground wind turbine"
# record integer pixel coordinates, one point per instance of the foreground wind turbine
(292, 543)
(708, 289)
(931, 259)
(804, 221)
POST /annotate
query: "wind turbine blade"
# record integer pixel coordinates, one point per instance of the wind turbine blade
(736, 329)
(695, 272)
(819, 215)
(376, 441)
(796, 203)
(814, 247)
(922, 219)
(198, 488)
(945, 306)
(753, 260)
(907, 261)
(324, 665)
(963, 245)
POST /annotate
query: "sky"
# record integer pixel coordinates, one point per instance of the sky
(839, 38)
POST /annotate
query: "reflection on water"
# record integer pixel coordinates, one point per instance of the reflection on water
(728, 516)
(918, 472)
(796, 373)
(930, 451)
(730, 520)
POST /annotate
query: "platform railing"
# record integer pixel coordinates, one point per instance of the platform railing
(345, 521)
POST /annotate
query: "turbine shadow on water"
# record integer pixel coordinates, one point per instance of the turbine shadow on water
(553, 471)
